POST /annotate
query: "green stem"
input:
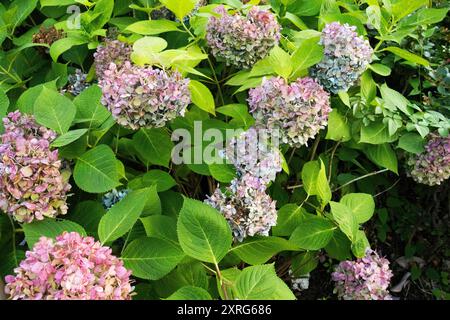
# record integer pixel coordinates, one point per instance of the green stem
(360, 178)
(13, 240)
(222, 285)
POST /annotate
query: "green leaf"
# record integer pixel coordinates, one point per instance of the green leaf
(96, 171)
(26, 101)
(380, 69)
(360, 245)
(308, 53)
(154, 146)
(261, 283)
(289, 217)
(56, 3)
(202, 97)
(151, 258)
(310, 172)
(4, 104)
(122, 216)
(376, 133)
(88, 221)
(259, 250)
(402, 8)
(161, 227)
(180, 8)
(62, 45)
(394, 99)
(339, 246)
(161, 179)
(382, 155)
(361, 204)
(190, 293)
(152, 27)
(304, 263)
(146, 49)
(54, 110)
(412, 142)
(368, 87)
(345, 218)
(426, 16)
(313, 233)
(345, 98)
(49, 228)
(408, 56)
(203, 232)
(239, 113)
(89, 108)
(322, 186)
(68, 137)
(280, 62)
(18, 11)
(338, 128)
(222, 172)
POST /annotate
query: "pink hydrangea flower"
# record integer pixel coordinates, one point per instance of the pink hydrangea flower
(242, 40)
(367, 278)
(432, 166)
(144, 97)
(298, 111)
(111, 52)
(71, 268)
(32, 184)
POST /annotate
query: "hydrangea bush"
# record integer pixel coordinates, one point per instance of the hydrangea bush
(154, 149)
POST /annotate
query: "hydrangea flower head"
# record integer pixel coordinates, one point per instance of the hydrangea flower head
(298, 111)
(111, 198)
(432, 166)
(77, 82)
(111, 52)
(366, 278)
(242, 40)
(346, 57)
(71, 268)
(251, 153)
(246, 206)
(32, 184)
(143, 97)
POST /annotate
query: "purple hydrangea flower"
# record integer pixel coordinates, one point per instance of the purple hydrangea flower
(298, 111)
(242, 41)
(32, 185)
(366, 278)
(252, 153)
(144, 97)
(432, 166)
(247, 208)
(71, 268)
(76, 83)
(346, 56)
(111, 52)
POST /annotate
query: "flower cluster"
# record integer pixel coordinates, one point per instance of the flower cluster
(111, 198)
(71, 268)
(111, 52)
(366, 278)
(298, 283)
(242, 41)
(144, 97)
(432, 166)
(47, 36)
(252, 153)
(246, 206)
(298, 111)
(346, 56)
(76, 82)
(32, 186)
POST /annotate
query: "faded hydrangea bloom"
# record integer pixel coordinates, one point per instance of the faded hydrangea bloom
(247, 208)
(47, 36)
(71, 268)
(252, 153)
(32, 184)
(76, 82)
(346, 56)
(111, 198)
(298, 111)
(366, 278)
(432, 166)
(111, 52)
(298, 283)
(144, 97)
(242, 41)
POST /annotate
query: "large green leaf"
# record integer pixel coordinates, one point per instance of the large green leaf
(338, 129)
(152, 27)
(151, 258)
(180, 8)
(261, 283)
(90, 111)
(376, 133)
(96, 171)
(412, 142)
(313, 233)
(281, 63)
(382, 155)
(54, 110)
(289, 217)
(161, 227)
(308, 53)
(154, 146)
(360, 245)
(190, 293)
(258, 250)
(408, 56)
(68, 137)
(239, 113)
(161, 179)
(49, 228)
(122, 216)
(361, 204)
(201, 96)
(203, 232)
(345, 218)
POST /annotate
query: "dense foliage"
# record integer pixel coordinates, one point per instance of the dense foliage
(224, 149)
